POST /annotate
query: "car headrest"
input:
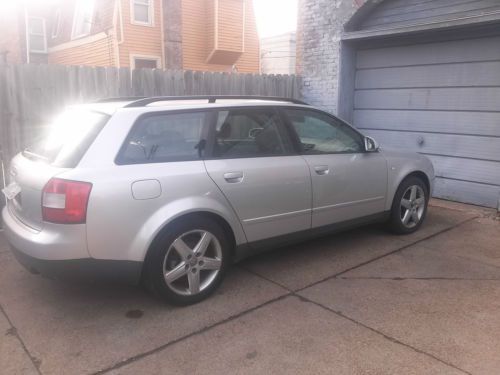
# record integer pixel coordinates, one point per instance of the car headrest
(268, 141)
(225, 131)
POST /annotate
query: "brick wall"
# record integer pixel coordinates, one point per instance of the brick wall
(319, 31)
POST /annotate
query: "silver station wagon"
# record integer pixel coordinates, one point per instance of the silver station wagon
(171, 191)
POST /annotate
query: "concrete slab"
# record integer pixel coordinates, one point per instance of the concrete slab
(75, 329)
(470, 251)
(13, 358)
(481, 211)
(439, 219)
(454, 320)
(298, 266)
(4, 246)
(478, 240)
(292, 337)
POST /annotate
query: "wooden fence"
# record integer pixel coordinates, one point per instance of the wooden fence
(30, 95)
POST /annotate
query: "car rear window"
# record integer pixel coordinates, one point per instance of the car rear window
(68, 138)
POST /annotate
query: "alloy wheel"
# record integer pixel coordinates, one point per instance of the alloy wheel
(412, 206)
(192, 262)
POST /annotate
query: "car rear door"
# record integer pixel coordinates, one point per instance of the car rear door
(348, 183)
(253, 163)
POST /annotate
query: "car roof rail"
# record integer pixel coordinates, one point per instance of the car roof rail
(120, 99)
(210, 98)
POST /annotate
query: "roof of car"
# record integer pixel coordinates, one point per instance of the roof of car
(110, 106)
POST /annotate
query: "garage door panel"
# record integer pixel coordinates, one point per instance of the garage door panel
(485, 49)
(441, 12)
(454, 99)
(485, 172)
(470, 123)
(467, 192)
(449, 75)
(463, 146)
(389, 8)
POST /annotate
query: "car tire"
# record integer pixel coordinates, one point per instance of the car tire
(409, 206)
(188, 261)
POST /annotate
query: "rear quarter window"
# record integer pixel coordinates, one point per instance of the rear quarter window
(68, 138)
(157, 138)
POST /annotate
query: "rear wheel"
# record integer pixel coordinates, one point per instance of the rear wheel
(188, 261)
(409, 207)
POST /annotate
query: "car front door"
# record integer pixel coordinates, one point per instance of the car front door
(348, 183)
(253, 164)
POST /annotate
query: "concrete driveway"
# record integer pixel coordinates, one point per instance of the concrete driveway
(359, 302)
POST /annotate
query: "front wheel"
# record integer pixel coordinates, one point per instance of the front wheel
(188, 261)
(409, 207)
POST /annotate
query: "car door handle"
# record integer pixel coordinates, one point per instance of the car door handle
(321, 170)
(233, 177)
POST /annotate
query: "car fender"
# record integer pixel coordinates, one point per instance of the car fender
(401, 165)
(168, 213)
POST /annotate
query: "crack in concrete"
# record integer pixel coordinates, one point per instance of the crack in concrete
(289, 293)
(387, 254)
(14, 332)
(414, 278)
(340, 314)
(185, 337)
(387, 337)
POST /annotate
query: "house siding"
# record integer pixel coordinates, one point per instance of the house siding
(197, 37)
(139, 39)
(97, 53)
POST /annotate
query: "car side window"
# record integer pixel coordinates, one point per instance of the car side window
(251, 132)
(165, 137)
(321, 134)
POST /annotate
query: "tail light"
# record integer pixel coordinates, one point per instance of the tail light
(65, 202)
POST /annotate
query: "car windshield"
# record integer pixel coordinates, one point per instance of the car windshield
(68, 137)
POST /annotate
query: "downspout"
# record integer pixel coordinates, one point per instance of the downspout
(26, 26)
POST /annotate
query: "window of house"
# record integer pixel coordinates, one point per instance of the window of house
(56, 24)
(142, 12)
(82, 21)
(37, 37)
(140, 63)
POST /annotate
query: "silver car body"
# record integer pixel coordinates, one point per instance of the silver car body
(257, 198)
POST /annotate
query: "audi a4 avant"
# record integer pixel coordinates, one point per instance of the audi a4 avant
(171, 191)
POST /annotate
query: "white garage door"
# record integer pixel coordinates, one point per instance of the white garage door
(442, 100)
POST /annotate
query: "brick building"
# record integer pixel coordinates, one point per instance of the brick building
(319, 32)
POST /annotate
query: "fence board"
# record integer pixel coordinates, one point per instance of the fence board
(30, 95)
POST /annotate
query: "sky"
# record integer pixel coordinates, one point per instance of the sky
(275, 17)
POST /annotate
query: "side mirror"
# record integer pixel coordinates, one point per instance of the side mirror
(371, 145)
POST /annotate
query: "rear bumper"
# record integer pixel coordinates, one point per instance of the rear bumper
(61, 253)
(82, 270)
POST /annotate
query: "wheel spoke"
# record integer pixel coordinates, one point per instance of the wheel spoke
(203, 243)
(414, 217)
(176, 273)
(406, 203)
(413, 194)
(420, 201)
(181, 247)
(406, 217)
(194, 282)
(210, 264)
